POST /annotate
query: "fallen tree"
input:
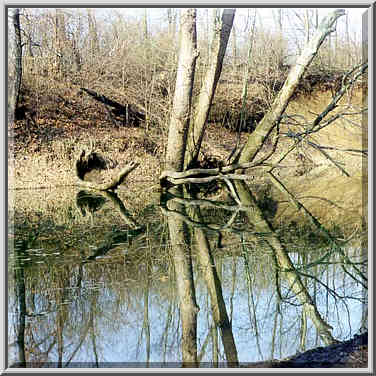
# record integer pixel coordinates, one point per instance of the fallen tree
(85, 164)
(128, 111)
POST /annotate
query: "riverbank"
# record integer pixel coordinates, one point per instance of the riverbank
(352, 353)
(42, 154)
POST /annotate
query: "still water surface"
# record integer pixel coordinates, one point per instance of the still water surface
(96, 282)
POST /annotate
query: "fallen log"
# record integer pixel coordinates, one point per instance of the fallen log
(130, 114)
(86, 164)
(205, 175)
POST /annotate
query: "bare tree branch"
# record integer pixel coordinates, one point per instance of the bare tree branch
(263, 129)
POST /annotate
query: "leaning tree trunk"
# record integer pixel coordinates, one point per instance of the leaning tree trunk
(18, 57)
(285, 265)
(221, 34)
(257, 138)
(179, 122)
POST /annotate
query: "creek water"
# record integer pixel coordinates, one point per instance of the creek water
(94, 281)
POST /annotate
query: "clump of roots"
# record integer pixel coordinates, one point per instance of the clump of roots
(88, 165)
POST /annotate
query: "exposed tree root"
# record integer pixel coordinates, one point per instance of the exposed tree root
(93, 161)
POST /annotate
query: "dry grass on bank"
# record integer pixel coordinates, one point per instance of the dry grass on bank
(322, 187)
(54, 164)
(43, 148)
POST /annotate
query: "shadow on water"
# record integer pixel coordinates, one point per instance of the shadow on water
(184, 282)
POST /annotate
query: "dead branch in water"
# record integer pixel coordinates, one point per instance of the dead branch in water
(205, 175)
(85, 164)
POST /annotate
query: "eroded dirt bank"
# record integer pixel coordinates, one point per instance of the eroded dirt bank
(348, 354)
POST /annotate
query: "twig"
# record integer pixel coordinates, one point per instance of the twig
(365, 152)
(318, 225)
(330, 159)
(331, 106)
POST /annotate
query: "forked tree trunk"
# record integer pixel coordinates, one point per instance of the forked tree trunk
(179, 122)
(269, 121)
(221, 34)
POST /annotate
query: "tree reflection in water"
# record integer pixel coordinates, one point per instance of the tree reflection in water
(117, 284)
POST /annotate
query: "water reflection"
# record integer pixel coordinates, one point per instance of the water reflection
(186, 282)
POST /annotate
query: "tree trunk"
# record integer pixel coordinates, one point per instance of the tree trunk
(18, 57)
(246, 72)
(182, 260)
(93, 35)
(257, 138)
(180, 115)
(285, 264)
(221, 34)
(213, 283)
(60, 41)
(280, 24)
(307, 26)
(176, 148)
(234, 46)
(94, 162)
(145, 32)
(171, 16)
(20, 294)
(76, 45)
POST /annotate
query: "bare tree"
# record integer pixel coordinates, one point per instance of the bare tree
(60, 41)
(245, 81)
(21, 311)
(176, 148)
(145, 31)
(18, 56)
(75, 42)
(221, 34)
(171, 17)
(271, 119)
(307, 24)
(179, 123)
(93, 34)
(182, 260)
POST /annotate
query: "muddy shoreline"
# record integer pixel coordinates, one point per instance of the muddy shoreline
(352, 353)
